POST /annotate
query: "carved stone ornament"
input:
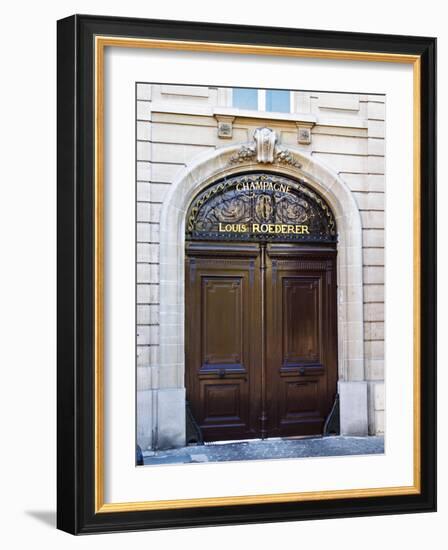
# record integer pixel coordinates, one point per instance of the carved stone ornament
(283, 156)
(265, 150)
(244, 153)
(265, 140)
(225, 126)
(254, 207)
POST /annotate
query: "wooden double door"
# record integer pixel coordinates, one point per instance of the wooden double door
(261, 338)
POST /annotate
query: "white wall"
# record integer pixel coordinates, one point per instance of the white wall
(27, 289)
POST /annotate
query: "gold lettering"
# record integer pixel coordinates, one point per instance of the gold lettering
(262, 186)
(264, 228)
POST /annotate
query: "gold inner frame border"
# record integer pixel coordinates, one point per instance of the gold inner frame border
(100, 43)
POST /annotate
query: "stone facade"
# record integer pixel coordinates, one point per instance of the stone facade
(186, 137)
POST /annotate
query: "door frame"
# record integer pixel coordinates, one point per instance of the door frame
(195, 177)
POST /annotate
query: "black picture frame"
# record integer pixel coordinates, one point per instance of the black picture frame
(76, 511)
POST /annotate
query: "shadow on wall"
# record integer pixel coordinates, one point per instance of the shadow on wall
(47, 517)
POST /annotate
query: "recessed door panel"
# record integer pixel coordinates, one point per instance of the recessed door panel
(222, 402)
(300, 399)
(301, 306)
(222, 320)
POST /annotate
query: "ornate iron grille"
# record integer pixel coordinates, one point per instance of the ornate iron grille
(260, 206)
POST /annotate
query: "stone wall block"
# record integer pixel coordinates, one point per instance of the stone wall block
(144, 131)
(375, 129)
(374, 350)
(374, 369)
(144, 171)
(148, 273)
(145, 419)
(164, 173)
(147, 252)
(374, 312)
(372, 219)
(143, 150)
(144, 378)
(353, 408)
(143, 338)
(178, 152)
(369, 201)
(143, 110)
(344, 163)
(171, 376)
(373, 256)
(376, 146)
(374, 330)
(375, 165)
(143, 191)
(144, 91)
(376, 182)
(376, 110)
(171, 418)
(379, 422)
(373, 293)
(373, 238)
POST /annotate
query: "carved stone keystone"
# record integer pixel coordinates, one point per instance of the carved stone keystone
(265, 140)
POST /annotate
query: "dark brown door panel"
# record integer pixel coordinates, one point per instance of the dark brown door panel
(301, 340)
(222, 320)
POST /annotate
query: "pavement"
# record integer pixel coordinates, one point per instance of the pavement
(268, 449)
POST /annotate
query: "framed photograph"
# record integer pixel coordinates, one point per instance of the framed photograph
(246, 274)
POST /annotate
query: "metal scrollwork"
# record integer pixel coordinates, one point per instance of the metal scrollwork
(260, 206)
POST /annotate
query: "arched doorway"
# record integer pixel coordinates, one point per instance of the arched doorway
(167, 413)
(260, 308)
